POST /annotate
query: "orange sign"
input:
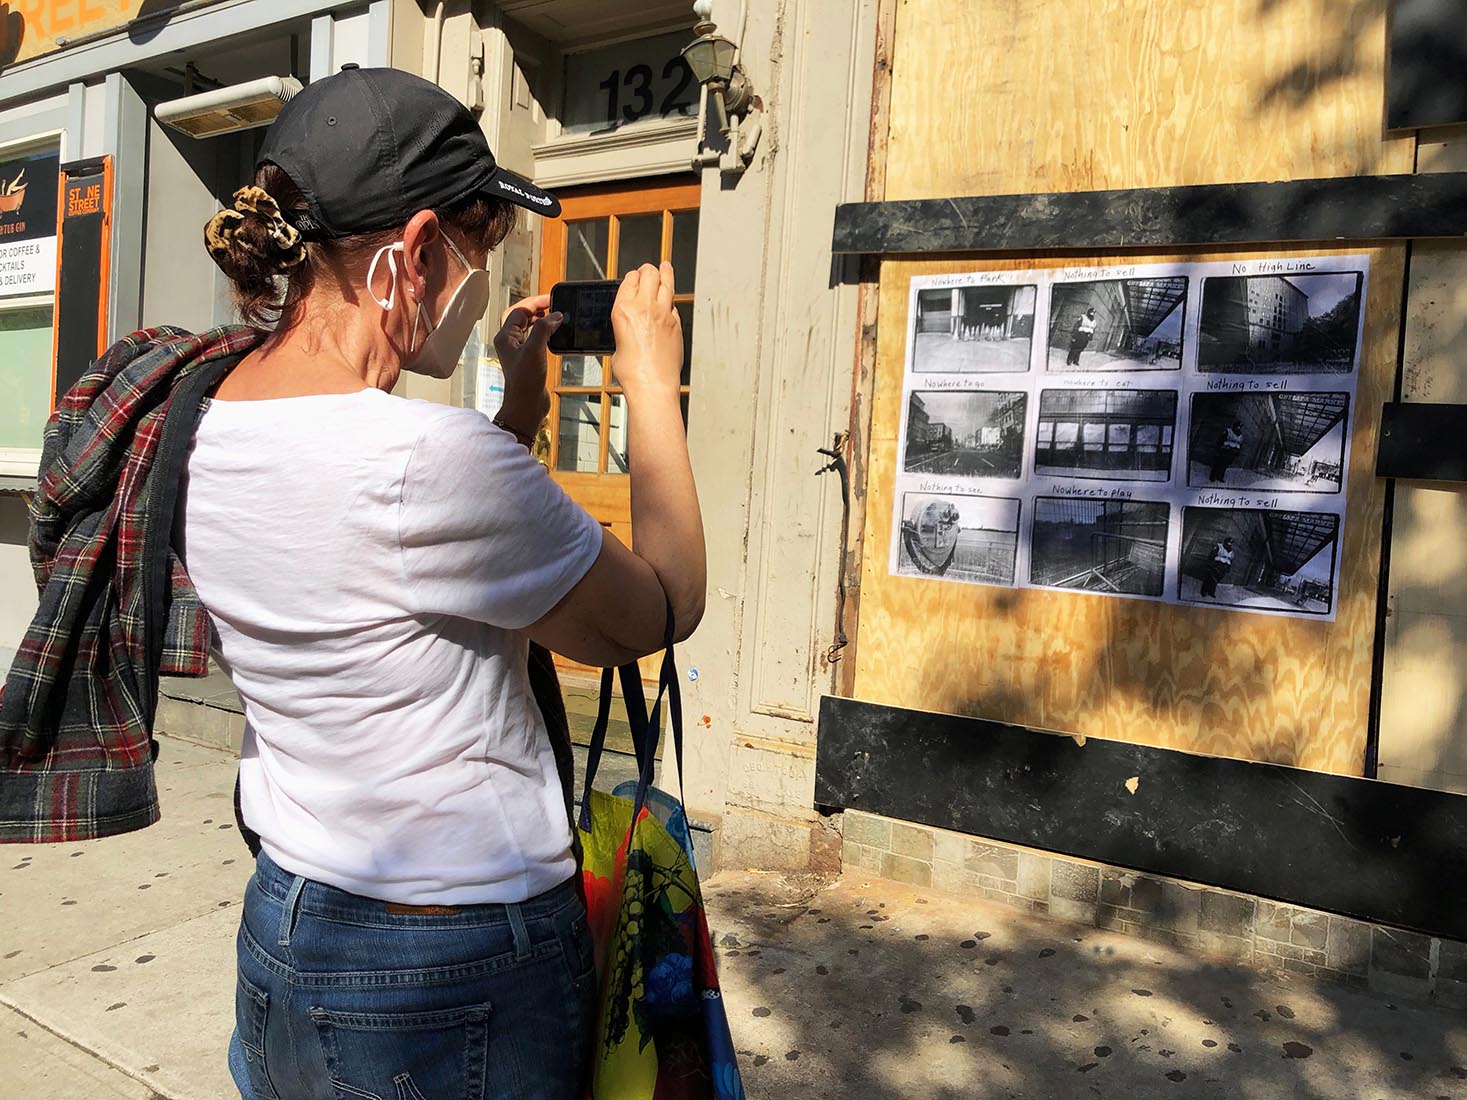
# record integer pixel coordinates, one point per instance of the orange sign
(29, 28)
(83, 198)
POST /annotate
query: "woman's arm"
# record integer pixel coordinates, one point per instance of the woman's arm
(616, 612)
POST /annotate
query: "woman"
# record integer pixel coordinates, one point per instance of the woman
(374, 569)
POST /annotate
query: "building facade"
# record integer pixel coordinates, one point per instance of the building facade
(592, 101)
(1277, 310)
(846, 704)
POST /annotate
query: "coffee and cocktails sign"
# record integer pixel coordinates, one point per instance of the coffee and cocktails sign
(28, 223)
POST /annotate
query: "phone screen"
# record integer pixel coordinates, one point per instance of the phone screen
(587, 325)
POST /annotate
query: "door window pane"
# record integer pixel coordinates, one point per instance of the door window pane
(25, 375)
(685, 313)
(1065, 434)
(685, 248)
(1146, 438)
(1094, 437)
(578, 437)
(616, 436)
(580, 370)
(585, 248)
(639, 242)
(1120, 437)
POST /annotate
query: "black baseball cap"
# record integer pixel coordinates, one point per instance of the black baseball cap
(369, 148)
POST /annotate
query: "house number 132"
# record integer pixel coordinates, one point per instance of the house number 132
(637, 83)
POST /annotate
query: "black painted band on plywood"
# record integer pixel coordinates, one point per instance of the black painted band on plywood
(1350, 208)
(1359, 847)
(1423, 442)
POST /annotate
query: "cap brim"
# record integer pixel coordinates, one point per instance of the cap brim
(520, 191)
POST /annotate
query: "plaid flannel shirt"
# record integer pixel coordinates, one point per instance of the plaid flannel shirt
(116, 607)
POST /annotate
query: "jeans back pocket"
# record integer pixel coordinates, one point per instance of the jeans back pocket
(435, 1055)
(251, 1011)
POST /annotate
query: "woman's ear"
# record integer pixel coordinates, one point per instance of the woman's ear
(421, 231)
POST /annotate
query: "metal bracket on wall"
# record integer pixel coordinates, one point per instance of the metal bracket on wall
(1347, 208)
(837, 465)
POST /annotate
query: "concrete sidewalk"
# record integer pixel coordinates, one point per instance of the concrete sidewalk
(116, 981)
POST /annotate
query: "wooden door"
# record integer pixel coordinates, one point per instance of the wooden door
(604, 232)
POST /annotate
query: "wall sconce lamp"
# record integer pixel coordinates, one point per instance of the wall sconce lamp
(712, 59)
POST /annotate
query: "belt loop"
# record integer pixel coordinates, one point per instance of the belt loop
(521, 933)
(290, 911)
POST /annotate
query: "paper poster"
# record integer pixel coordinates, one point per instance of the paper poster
(28, 224)
(1168, 432)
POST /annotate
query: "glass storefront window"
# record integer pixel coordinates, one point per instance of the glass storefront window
(25, 373)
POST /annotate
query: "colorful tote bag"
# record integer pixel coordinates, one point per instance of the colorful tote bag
(662, 1031)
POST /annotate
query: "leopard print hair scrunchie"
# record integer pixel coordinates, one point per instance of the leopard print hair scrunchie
(220, 236)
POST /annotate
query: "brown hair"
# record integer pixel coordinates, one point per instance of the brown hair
(273, 270)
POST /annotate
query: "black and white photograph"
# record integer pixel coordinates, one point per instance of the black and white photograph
(1278, 442)
(973, 329)
(959, 537)
(966, 433)
(1117, 324)
(1113, 434)
(1116, 546)
(1280, 324)
(1259, 559)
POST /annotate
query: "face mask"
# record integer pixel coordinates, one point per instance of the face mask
(438, 357)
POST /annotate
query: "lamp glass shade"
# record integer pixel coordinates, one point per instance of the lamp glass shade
(711, 58)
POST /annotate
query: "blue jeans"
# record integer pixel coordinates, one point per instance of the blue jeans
(342, 997)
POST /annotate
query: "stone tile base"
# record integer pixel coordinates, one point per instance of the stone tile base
(1237, 928)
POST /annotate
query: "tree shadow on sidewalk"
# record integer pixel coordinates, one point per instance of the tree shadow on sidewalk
(882, 990)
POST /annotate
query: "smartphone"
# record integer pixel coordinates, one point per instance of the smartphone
(586, 329)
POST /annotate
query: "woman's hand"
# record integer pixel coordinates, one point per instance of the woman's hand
(520, 345)
(649, 332)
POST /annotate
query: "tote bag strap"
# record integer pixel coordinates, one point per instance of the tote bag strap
(645, 727)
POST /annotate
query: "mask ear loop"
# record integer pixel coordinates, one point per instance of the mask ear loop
(390, 251)
(468, 267)
(420, 314)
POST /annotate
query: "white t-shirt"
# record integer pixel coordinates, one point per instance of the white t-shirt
(369, 564)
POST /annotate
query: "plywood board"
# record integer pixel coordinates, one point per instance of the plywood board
(1423, 709)
(999, 97)
(993, 97)
(1284, 691)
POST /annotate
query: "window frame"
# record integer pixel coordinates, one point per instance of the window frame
(24, 462)
(668, 201)
(23, 133)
